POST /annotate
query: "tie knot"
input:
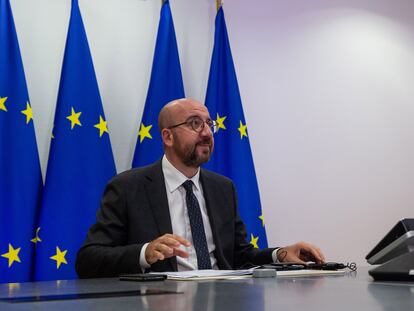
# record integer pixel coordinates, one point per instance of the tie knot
(188, 186)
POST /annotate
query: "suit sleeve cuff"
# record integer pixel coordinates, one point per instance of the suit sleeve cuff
(274, 255)
(142, 261)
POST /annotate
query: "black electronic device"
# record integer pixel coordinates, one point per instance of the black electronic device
(397, 269)
(142, 277)
(399, 240)
(395, 253)
(327, 266)
(286, 266)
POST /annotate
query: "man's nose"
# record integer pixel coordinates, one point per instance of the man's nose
(207, 131)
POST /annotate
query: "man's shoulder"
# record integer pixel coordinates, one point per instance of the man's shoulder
(213, 176)
(135, 175)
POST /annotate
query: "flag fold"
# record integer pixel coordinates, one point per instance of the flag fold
(232, 155)
(166, 84)
(20, 175)
(80, 160)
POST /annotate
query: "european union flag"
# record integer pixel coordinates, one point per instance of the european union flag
(80, 160)
(166, 84)
(20, 175)
(232, 155)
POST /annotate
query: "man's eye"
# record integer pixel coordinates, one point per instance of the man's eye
(196, 123)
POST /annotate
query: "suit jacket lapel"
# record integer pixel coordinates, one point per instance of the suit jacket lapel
(159, 203)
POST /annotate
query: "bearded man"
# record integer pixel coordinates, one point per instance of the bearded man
(173, 215)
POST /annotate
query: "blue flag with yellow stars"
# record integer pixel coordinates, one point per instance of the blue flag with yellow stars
(20, 175)
(232, 155)
(166, 84)
(80, 160)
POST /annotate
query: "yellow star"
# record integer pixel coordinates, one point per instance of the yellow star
(74, 118)
(59, 257)
(243, 130)
(12, 255)
(253, 240)
(28, 113)
(101, 126)
(36, 238)
(144, 132)
(2, 105)
(220, 122)
(261, 217)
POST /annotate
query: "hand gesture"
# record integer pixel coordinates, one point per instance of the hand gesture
(164, 247)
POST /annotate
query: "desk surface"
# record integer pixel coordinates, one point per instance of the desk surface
(353, 291)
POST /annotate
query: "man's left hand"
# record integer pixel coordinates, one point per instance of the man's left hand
(301, 253)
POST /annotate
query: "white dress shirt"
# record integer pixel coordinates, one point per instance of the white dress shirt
(179, 216)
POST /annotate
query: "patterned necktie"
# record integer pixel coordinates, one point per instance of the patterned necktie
(197, 227)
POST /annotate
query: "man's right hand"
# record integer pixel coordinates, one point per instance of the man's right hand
(164, 247)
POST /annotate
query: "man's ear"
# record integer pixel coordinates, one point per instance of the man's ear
(167, 137)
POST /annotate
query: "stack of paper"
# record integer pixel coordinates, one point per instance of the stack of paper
(195, 275)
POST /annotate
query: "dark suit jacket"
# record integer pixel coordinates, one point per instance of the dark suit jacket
(134, 210)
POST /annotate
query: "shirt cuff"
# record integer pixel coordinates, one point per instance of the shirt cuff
(142, 261)
(274, 256)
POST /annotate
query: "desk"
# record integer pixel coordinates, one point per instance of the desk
(353, 291)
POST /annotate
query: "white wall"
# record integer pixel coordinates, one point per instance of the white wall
(327, 87)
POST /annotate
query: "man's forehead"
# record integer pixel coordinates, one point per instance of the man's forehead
(192, 108)
(197, 110)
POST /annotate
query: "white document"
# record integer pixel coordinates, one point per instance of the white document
(211, 274)
(198, 275)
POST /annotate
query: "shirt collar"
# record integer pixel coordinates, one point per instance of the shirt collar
(174, 178)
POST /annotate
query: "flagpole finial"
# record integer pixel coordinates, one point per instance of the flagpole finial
(219, 4)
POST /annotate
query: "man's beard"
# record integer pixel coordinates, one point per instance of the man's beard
(189, 156)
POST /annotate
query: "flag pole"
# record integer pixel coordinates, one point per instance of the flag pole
(219, 3)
